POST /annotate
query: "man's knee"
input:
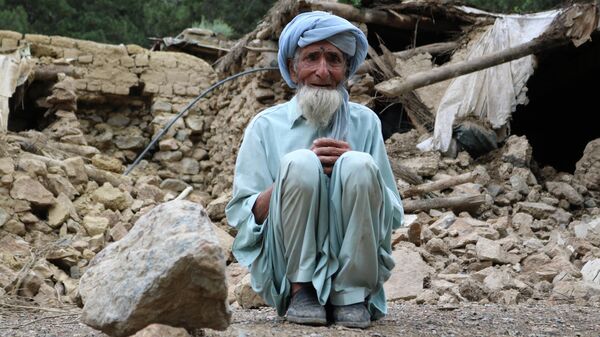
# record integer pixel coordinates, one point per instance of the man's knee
(302, 170)
(358, 168)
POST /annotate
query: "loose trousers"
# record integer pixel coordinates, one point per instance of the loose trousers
(325, 230)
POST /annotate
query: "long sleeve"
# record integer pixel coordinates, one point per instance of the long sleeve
(252, 176)
(379, 154)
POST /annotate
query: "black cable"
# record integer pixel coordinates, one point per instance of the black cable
(189, 106)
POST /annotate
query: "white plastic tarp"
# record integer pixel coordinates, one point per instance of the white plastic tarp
(15, 68)
(491, 94)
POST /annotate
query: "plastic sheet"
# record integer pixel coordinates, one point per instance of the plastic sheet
(490, 94)
(15, 68)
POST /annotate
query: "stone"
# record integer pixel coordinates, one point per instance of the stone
(216, 208)
(111, 197)
(591, 271)
(58, 184)
(489, 250)
(189, 166)
(4, 216)
(95, 225)
(118, 232)
(587, 169)
(497, 280)
(7, 166)
(245, 295)
(26, 188)
(538, 210)
(127, 142)
(517, 151)
(574, 291)
(61, 211)
(174, 185)
(181, 282)
(32, 166)
(15, 227)
(442, 223)
(406, 282)
(235, 273)
(225, 241)
(75, 169)
(160, 330)
(563, 190)
(425, 166)
(108, 163)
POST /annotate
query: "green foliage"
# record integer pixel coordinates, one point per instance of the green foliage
(217, 26)
(355, 3)
(132, 21)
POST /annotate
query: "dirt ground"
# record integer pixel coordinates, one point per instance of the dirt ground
(533, 319)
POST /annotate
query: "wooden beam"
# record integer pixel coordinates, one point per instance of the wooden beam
(433, 49)
(398, 86)
(378, 16)
(456, 203)
(441, 184)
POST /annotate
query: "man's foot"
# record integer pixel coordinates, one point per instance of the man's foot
(305, 308)
(352, 315)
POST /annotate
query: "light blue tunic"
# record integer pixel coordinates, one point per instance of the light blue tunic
(270, 149)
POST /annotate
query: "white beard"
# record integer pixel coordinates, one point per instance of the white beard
(318, 104)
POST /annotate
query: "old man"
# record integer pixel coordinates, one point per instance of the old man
(314, 198)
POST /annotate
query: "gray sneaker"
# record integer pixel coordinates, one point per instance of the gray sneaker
(352, 315)
(305, 308)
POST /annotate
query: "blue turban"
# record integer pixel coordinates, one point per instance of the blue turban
(311, 27)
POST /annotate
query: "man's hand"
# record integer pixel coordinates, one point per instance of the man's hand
(329, 150)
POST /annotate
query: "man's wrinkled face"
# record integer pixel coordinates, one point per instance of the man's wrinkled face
(320, 64)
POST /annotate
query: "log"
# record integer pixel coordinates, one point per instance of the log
(441, 184)
(379, 17)
(102, 176)
(397, 86)
(50, 72)
(455, 203)
(433, 49)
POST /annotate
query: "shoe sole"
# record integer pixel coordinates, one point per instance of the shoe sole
(360, 325)
(307, 320)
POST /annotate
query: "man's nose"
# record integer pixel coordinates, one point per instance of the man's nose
(322, 69)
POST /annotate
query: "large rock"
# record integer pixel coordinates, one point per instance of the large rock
(111, 197)
(517, 151)
(168, 269)
(587, 169)
(26, 188)
(407, 278)
(591, 271)
(563, 190)
(245, 295)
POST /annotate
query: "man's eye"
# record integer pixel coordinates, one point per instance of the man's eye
(334, 59)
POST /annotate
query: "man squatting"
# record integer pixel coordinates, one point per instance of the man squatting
(314, 198)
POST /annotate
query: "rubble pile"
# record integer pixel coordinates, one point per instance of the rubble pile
(537, 240)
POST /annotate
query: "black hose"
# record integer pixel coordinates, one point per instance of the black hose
(189, 106)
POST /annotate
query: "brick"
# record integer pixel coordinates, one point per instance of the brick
(127, 61)
(8, 43)
(179, 89)
(10, 35)
(141, 60)
(85, 59)
(36, 38)
(135, 49)
(61, 41)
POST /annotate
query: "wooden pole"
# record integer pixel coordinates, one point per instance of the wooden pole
(379, 17)
(433, 49)
(440, 184)
(457, 203)
(398, 86)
